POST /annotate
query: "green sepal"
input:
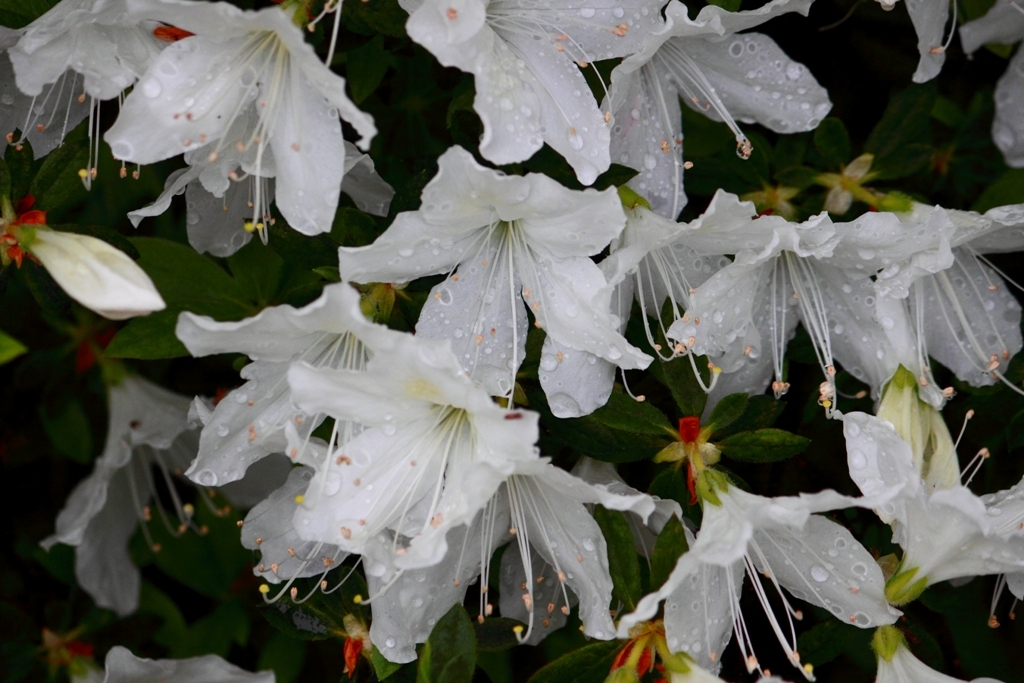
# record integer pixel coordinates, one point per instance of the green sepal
(886, 641)
(902, 588)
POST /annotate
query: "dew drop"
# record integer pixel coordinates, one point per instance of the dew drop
(150, 87)
(819, 573)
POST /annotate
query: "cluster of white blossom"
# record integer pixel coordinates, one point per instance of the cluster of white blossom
(431, 465)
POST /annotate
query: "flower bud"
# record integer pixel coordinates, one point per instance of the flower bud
(94, 274)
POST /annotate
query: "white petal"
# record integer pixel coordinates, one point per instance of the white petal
(564, 297)
(173, 186)
(280, 333)
(215, 225)
(103, 566)
(571, 121)
(279, 544)
(57, 109)
(576, 382)
(1015, 582)
(929, 19)
(906, 668)
(369, 191)
(878, 460)
(480, 310)
(568, 223)
(124, 667)
(96, 275)
(965, 322)
(309, 154)
(698, 612)
(546, 592)
(264, 478)
(645, 110)
(1003, 23)
(825, 565)
(1008, 126)
(758, 83)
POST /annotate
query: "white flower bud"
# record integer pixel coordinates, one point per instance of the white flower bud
(95, 274)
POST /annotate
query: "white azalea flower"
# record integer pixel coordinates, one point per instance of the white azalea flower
(653, 260)
(813, 558)
(755, 295)
(253, 420)
(434, 449)
(124, 667)
(284, 556)
(43, 120)
(220, 212)
(514, 240)
(1004, 23)
(713, 69)
(147, 427)
(560, 560)
(255, 70)
(896, 664)
(929, 18)
(524, 56)
(930, 264)
(96, 38)
(945, 533)
(92, 272)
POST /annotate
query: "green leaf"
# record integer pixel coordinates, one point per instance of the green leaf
(68, 431)
(302, 251)
(258, 271)
(1007, 189)
(381, 666)
(21, 165)
(626, 414)
(5, 181)
(352, 228)
(902, 140)
(367, 65)
(727, 5)
(623, 562)
(670, 484)
(761, 411)
(285, 656)
(378, 16)
(496, 634)
(605, 434)
(57, 183)
(190, 281)
(616, 176)
(215, 633)
(449, 655)
(10, 348)
(148, 338)
(589, 664)
(762, 445)
(727, 411)
(1015, 431)
(669, 547)
(20, 13)
(322, 616)
(826, 641)
(833, 142)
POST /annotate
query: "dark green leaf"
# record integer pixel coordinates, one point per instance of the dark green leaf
(45, 290)
(495, 634)
(353, 228)
(68, 431)
(258, 271)
(303, 251)
(762, 445)
(1008, 189)
(20, 163)
(189, 281)
(284, 656)
(449, 655)
(378, 16)
(677, 375)
(381, 666)
(761, 411)
(629, 415)
(833, 142)
(826, 641)
(728, 5)
(367, 65)
(670, 484)
(57, 183)
(5, 182)
(323, 615)
(623, 562)
(727, 411)
(589, 664)
(668, 548)
(902, 142)
(615, 176)
(149, 338)
(1015, 431)
(623, 440)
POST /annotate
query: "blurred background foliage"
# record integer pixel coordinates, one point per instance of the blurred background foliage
(930, 142)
